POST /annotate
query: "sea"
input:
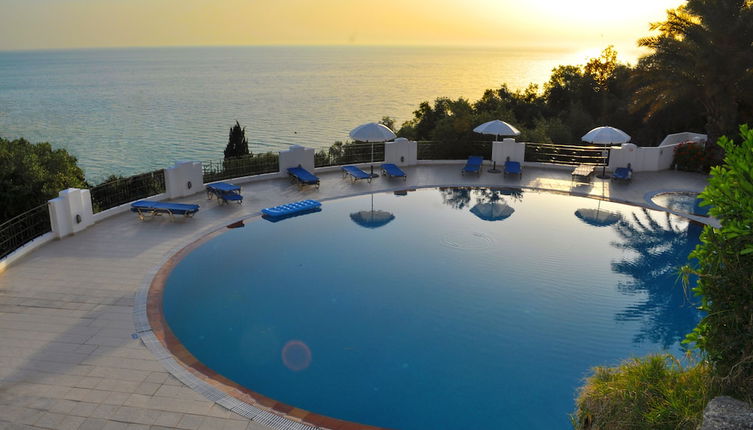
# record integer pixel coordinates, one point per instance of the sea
(131, 110)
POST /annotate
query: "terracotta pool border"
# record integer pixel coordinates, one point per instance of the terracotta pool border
(160, 340)
(157, 336)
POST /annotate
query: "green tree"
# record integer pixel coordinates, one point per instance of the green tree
(725, 267)
(388, 122)
(237, 145)
(702, 56)
(31, 174)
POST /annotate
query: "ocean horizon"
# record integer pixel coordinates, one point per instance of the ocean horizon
(130, 110)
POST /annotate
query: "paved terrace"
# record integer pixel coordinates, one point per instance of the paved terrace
(67, 356)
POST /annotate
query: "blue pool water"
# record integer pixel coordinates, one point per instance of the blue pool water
(443, 317)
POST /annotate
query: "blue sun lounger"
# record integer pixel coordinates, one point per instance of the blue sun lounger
(624, 174)
(355, 173)
(225, 192)
(473, 165)
(393, 171)
(302, 176)
(147, 208)
(513, 168)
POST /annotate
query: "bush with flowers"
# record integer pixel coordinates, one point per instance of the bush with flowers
(691, 157)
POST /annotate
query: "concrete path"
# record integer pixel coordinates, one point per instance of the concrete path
(68, 359)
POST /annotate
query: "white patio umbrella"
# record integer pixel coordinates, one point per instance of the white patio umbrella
(497, 128)
(372, 132)
(606, 135)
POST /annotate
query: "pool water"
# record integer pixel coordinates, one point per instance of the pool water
(443, 309)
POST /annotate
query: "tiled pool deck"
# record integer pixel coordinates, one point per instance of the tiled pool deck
(68, 359)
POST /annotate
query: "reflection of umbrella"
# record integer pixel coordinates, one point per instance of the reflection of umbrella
(606, 136)
(497, 128)
(372, 218)
(372, 132)
(597, 217)
(492, 211)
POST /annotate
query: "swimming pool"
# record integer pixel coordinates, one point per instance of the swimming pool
(440, 309)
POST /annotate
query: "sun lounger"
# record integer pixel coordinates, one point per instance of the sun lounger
(147, 208)
(624, 174)
(473, 165)
(393, 171)
(302, 176)
(513, 168)
(291, 209)
(225, 192)
(355, 173)
(583, 173)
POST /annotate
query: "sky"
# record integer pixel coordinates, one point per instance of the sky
(581, 24)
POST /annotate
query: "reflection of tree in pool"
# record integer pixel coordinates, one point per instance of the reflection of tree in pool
(659, 249)
(460, 198)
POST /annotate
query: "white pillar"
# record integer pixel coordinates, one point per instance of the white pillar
(184, 179)
(71, 212)
(516, 151)
(401, 152)
(296, 156)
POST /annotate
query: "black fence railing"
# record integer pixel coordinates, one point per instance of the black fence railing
(123, 190)
(237, 167)
(24, 228)
(567, 154)
(453, 150)
(351, 153)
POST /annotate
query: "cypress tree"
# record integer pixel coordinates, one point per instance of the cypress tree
(237, 145)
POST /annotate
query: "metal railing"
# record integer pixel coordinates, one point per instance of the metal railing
(567, 154)
(123, 190)
(21, 229)
(350, 153)
(237, 167)
(453, 150)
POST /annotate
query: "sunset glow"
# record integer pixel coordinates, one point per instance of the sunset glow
(52, 24)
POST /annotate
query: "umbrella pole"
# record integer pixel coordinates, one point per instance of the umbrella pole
(373, 175)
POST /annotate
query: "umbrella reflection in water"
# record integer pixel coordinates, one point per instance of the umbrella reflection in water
(598, 217)
(372, 218)
(492, 211)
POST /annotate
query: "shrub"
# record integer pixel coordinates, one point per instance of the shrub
(725, 268)
(32, 173)
(655, 392)
(691, 157)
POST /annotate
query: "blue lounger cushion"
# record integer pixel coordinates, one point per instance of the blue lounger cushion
(150, 208)
(513, 168)
(291, 208)
(356, 173)
(473, 165)
(303, 176)
(393, 171)
(623, 173)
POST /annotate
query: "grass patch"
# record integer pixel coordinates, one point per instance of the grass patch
(653, 392)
